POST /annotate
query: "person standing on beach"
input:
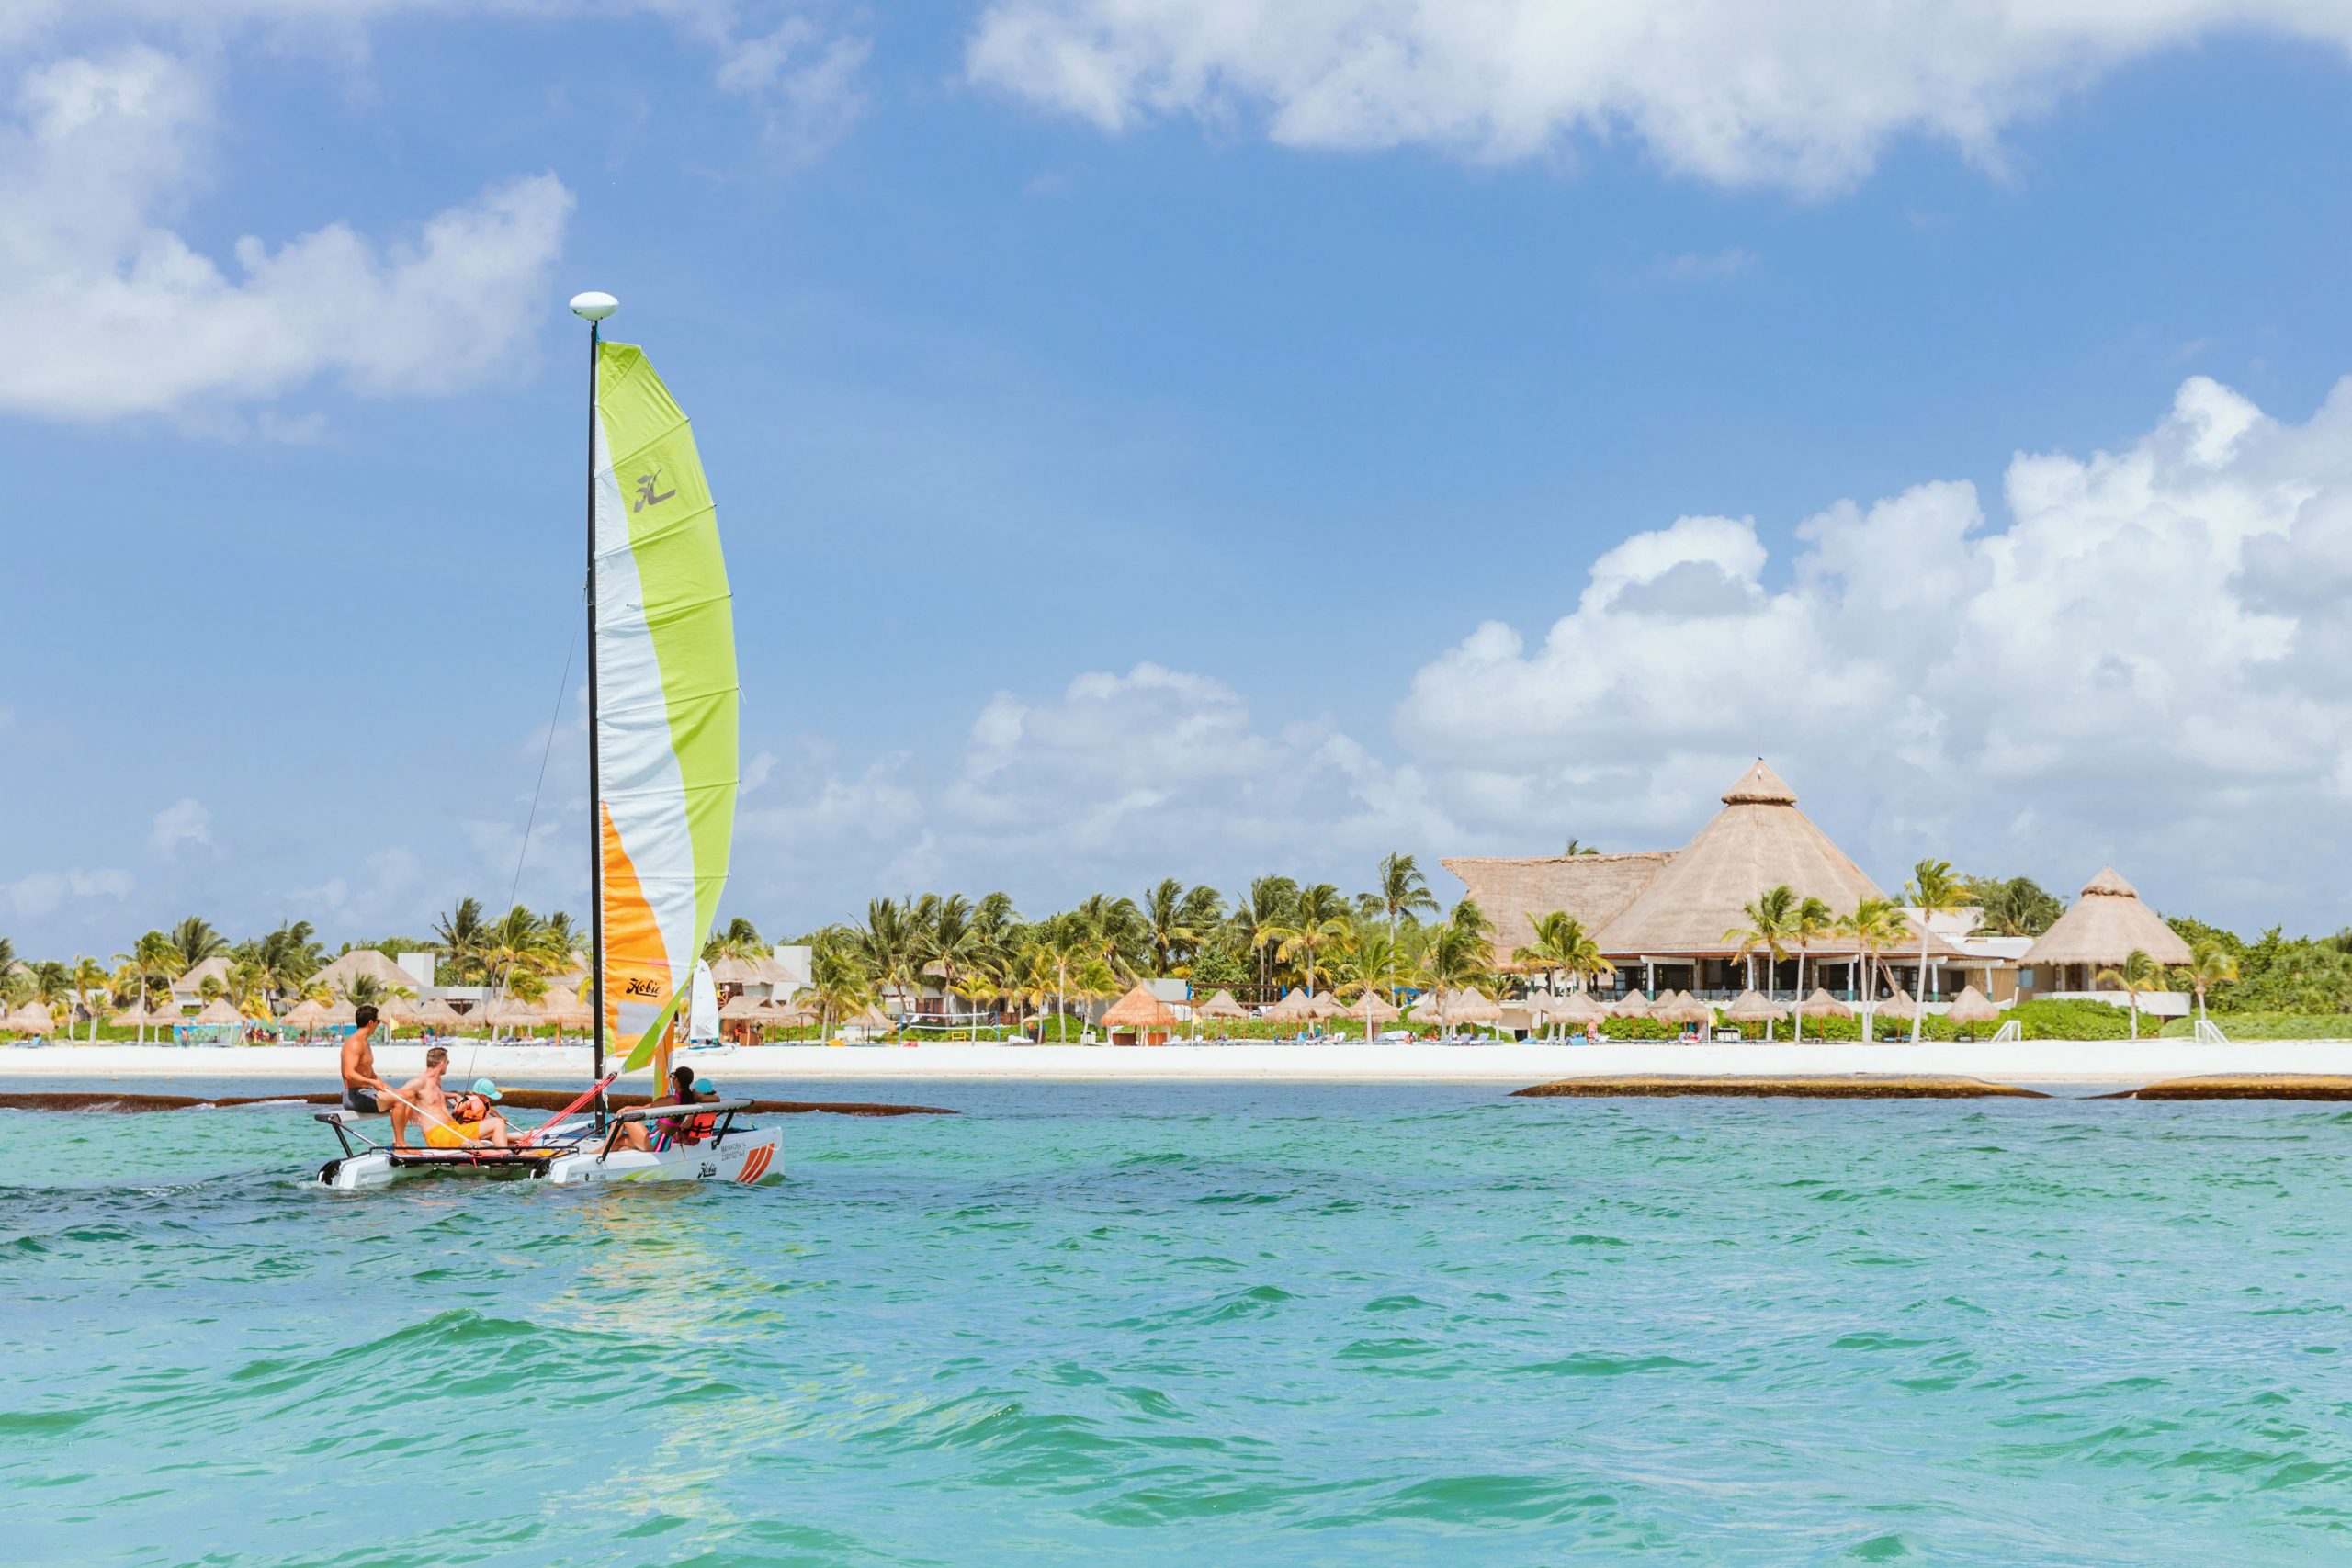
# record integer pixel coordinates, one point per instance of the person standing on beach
(363, 1090)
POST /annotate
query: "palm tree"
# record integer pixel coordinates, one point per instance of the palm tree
(1120, 939)
(89, 980)
(885, 945)
(1260, 920)
(1933, 890)
(194, 940)
(951, 945)
(2138, 974)
(517, 944)
(738, 939)
(1578, 847)
(1318, 920)
(461, 934)
(2210, 965)
(1402, 889)
(1168, 910)
(1874, 926)
(1814, 923)
(1563, 944)
(52, 984)
(839, 983)
(1772, 925)
(1374, 961)
(1065, 947)
(1459, 955)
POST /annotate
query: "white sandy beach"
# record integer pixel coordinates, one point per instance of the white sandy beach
(2033, 1061)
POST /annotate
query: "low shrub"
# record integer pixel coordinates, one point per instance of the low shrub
(2270, 1026)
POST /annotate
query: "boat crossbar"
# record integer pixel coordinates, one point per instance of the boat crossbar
(700, 1108)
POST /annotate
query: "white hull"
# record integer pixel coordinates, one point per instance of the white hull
(748, 1156)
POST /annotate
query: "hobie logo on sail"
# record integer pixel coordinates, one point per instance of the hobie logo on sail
(645, 496)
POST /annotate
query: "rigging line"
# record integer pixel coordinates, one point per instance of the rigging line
(523, 854)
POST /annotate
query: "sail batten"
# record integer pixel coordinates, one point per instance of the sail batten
(667, 710)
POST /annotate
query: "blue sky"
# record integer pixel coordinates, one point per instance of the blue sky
(1119, 460)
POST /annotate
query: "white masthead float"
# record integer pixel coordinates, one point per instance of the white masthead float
(661, 782)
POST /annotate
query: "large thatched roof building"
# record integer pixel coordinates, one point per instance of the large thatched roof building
(2105, 926)
(1664, 915)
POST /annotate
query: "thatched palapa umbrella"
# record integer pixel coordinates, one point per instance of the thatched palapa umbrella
(437, 1014)
(1377, 1009)
(305, 1015)
(1295, 1008)
(1633, 1004)
(219, 1011)
(29, 1018)
(1898, 1003)
(342, 1013)
(1972, 1008)
(1142, 1012)
(1221, 1007)
(871, 1019)
(1821, 1004)
(1751, 1007)
(1684, 1007)
(1324, 1005)
(1472, 1007)
(1579, 1009)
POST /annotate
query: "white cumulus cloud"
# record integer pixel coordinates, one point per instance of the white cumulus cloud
(114, 312)
(1804, 94)
(44, 893)
(185, 821)
(2140, 660)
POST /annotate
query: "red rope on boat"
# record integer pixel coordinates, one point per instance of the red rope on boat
(592, 1091)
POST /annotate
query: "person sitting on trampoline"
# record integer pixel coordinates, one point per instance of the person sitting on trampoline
(473, 1121)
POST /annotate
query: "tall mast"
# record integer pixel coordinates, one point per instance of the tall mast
(593, 309)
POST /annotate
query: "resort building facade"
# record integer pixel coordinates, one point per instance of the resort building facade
(1663, 917)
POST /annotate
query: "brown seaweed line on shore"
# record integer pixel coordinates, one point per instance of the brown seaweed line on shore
(1860, 1087)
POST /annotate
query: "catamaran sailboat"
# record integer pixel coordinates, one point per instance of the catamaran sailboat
(661, 782)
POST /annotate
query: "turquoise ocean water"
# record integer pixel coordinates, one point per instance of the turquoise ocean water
(1202, 1323)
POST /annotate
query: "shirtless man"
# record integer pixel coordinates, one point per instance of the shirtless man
(363, 1090)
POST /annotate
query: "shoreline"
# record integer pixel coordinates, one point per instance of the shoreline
(2097, 1062)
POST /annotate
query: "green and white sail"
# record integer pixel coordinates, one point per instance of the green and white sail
(666, 699)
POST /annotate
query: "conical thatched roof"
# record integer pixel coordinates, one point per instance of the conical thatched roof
(439, 1014)
(1971, 1007)
(218, 1011)
(1752, 1007)
(342, 1012)
(733, 971)
(397, 1010)
(1472, 1007)
(2107, 923)
(29, 1018)
(1633, 1004)
(1295, 1008)
(1577, 1008)
(1222, 1004)
(215, 968)
(868, 1017)
(1374, 1006)
(1323, 1004)
(1899, 1003)
(1757, 841)
(566, 1013)
(1821, 1004)
(744, 1010)
(337, 976)
(1140, 1010)
(1684, 1008)
(134, 1016)
(305, 1014)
